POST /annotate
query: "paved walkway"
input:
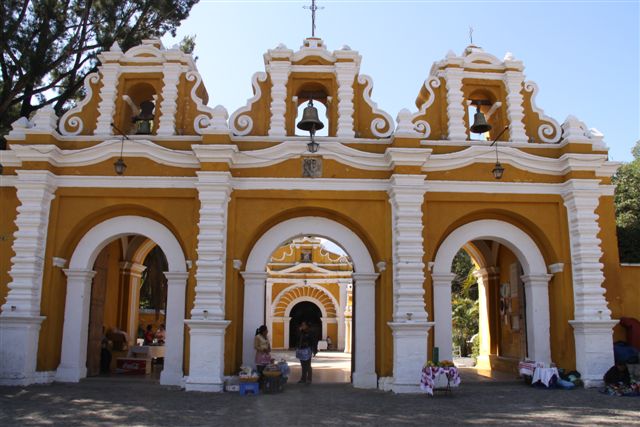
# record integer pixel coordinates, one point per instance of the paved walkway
(117, 401)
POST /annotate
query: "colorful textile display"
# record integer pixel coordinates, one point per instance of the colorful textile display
(431, 376)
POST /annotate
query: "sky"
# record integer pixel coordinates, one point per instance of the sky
(584, 55)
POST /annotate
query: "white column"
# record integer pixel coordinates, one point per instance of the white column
(345, 75)
(484, 333)
(442, 314)
(108, 92)
(287, 323)
(75, 330)
(364, 286)
(342, 302)
(279, 73)
(324, 328)
(513, 81)
(267, 306)
(253, 312)
(20, 318)
(592, 318)
(347, 335)
(455, 108)
(133, 271)
(536, 291)
(207, 324)
(167, 122)
(172, 373)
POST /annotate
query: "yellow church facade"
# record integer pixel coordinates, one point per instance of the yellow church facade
(237, 203)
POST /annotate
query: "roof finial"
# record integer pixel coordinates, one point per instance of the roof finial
(470, 35)
(313, 9)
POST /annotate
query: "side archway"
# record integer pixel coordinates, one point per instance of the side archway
(79, 279)
(364, 277)
(535, 278)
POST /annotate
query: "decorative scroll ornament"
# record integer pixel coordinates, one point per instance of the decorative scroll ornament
(76, 122)
(379, 124)
(240, 123)
(550, 131)
(202, 121)
(285, 254)
(422, 126)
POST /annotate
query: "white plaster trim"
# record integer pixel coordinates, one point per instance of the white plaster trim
(300, 284)
(245, 122)
(378, 124)
(76, 121)
(545, 130)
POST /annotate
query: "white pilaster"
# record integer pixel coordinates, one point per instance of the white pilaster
(20, 318)
(341, 316)
(513, 81)
(75, 330)
(287, 323)
(167, 122)
(406, 195)
(172, 373)
(442, 314)
(207, 324)
(345, 75)
(279, 73)
(364, 375)
(455, 109)
(214, 189)
(410, 340)
(110, 73)
(253, 312)
(592, 318)
(536, 290)
(206, 361)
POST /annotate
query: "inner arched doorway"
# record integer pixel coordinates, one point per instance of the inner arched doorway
(308, 312)
(535, 280)
(364, 279)
(80, 275)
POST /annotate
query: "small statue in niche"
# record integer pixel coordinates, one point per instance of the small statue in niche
(144, 118)
(311, 167)
(305, 256)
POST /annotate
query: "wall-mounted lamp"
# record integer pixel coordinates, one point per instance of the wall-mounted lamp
(311, 123)
(498, 170)
(119, 165)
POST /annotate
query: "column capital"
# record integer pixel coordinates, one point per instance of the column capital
(176, 276)
(365, 278)
(535, 280)
(253, 276)
(132, 268)
(78, 274)
(442, 278)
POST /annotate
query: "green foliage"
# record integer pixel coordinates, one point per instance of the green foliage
(627, 200)
(47, 47)
(464, 302)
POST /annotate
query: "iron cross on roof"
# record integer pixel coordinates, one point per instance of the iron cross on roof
(313, 9)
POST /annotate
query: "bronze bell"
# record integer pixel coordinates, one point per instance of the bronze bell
(310, 121)
(480, 124)
(144, 118)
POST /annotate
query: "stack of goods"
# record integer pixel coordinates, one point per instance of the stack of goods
(248, 375)
(442, 375)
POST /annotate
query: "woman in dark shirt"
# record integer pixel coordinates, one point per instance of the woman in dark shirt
(306, 349)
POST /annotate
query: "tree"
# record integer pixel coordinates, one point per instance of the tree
(627, 201)
(464, 301)
(47, 47)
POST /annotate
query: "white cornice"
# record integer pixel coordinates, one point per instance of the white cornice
(327, 184)
(536, 164)
(104, 151)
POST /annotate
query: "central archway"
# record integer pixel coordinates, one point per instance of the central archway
(364, 277)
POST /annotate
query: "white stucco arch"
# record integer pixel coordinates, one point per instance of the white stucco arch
(314, 301)
(363, 267)
(288, 289)
(79, 280)
(535, 279)
(102, 234)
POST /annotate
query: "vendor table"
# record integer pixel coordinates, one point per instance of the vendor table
(437, 377)
(538, 372)
(151, 351)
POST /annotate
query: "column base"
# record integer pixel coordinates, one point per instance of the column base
(19, 349)
(594, 349)
(206, 358)
(409, 354)
(365, 380)
(70, 374)
(172, 378)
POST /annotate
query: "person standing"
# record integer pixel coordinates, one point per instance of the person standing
(263, 349)
(306, 349)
